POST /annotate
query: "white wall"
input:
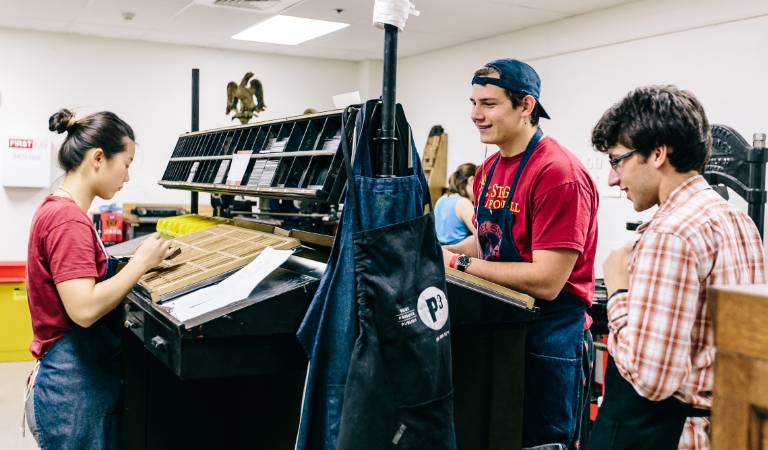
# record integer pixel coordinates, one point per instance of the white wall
(369, 78)
(717, 49)
(149, 86)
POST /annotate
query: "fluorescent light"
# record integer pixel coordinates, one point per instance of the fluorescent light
(288, 30)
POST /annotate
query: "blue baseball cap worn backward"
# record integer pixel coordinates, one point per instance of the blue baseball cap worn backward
(516, 76)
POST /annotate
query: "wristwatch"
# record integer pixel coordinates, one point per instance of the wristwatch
(463, 262)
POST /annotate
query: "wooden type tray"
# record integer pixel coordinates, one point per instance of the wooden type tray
(207, 253)
(510, 295)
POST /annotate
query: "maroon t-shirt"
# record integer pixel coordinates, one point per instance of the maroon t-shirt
(63, 245)
(555, 204)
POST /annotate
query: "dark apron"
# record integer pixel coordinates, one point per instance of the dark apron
(626, 420)
(398, 393)
(554, 342)
(78, 393)
(331, 325)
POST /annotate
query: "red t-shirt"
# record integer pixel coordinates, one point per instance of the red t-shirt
(555, 204)
(63, 245)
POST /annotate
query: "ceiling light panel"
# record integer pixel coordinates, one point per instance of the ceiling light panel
(288, 30)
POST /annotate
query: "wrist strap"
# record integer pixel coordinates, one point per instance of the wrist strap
(618, 291)
(452, 264)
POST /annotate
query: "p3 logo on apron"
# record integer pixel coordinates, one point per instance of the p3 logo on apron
(433, 308)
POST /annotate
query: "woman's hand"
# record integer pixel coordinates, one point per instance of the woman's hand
(152, 252)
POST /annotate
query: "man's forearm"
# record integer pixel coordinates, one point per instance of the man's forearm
(467, 247)
(528, 278)
(542, 278)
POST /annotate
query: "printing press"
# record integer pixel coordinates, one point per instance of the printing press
(234, 377)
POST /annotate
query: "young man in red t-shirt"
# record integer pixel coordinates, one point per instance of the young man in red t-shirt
(536, 219)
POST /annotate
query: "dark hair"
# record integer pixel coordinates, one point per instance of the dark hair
(651, 116)
(102, 130)
(515, 97)
(457, 183)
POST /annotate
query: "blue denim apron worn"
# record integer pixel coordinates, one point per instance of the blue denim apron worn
(78, 393)
(331, 326)
(554, 342)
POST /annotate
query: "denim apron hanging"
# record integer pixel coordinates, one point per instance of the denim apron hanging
(553, 343)
(399, 393)
(330, 327)
(78, 392)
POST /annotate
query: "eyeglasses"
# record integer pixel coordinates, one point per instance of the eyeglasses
(615, 161)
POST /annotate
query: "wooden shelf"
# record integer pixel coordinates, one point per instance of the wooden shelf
(294, 158)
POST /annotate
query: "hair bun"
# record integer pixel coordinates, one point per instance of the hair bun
(61, 120)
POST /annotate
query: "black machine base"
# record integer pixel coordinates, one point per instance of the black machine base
(162, 412)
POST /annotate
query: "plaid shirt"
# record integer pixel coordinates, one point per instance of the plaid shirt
(660, 331)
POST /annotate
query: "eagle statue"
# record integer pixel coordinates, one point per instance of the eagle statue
(243, 93)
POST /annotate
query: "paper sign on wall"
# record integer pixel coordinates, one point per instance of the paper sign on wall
(343, 100)
(26, 161)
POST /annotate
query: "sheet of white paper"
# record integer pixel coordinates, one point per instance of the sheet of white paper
(237, 169)
(343, 100)
(235, 288)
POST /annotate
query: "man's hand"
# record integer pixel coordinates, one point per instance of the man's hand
(616, 268)
(447, 257)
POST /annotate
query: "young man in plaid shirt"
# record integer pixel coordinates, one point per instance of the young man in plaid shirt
(660, 374)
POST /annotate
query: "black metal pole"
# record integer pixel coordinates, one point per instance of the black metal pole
(757, 158)
(195, 124)
(387, 139)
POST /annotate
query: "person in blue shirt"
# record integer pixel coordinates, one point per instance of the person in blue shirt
(454, 210)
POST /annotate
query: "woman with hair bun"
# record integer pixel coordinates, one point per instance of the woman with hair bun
(74, 396)
(454, 210)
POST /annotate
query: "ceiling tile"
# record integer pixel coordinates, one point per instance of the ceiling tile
(467, 10)
(180, 38)
(52, 26)
(248, 46)
(223, 22)
(110, 31)
(566, 6)
(476, 18)
(55, 10)
(147, 13)
(310, 52)
(412, 43)
(352, 38)
(353, 11)
(16, 7)
(26, 23)
(426, 23)
(509, 19)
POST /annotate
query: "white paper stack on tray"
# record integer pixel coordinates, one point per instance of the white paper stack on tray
(208, 253)
(233, 289)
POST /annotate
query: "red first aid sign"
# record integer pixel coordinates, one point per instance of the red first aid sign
(25, 161)
(21, 143)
